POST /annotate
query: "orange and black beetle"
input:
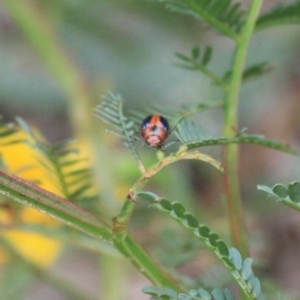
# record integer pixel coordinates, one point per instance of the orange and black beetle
(155, 130)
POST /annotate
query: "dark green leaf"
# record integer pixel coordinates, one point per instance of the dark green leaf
(183, 57)
(79, 180)
(281, 196)
(72, 162)
(280, 190)
(165, 204)
(178, 209)
(191, 221)
(195, 52)
(12, 142)
(79, 191)
(207, 55)
(223, 249)
(213, 238)
(81, 172)
(294, 191)
(223, 6)
(220, 14)
(228, 262)
(61, 154)
(282, 14)
(233, 262)
(257, 70)
(231, 12)
(7, 132)
(204, 231)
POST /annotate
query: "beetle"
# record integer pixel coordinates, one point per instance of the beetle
(155, 130)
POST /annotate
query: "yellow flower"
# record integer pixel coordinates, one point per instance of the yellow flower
(22, 160)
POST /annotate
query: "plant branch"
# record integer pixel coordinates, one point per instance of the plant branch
(63, 210)
(130, 202)
(226, 30)
(72, 215)
(230, 127)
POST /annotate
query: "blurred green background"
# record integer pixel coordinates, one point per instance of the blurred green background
(128, 47)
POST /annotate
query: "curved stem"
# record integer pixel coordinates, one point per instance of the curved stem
(130, 202)
(72, 215)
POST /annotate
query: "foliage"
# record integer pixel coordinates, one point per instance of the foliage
(225, 16)
(63, 165)
(231, 258)
(75, 182)
(194, 136)
(287, 195)
(282, 13)
(200, 294)
(198, 63)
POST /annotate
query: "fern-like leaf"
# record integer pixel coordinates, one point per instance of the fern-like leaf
(257, 70)
(226, 16)
(66, 172)
(230, 257)
(252, 72)
(195, 136)
(288, 195)
(161, 293)
(8, 133)
(110, 111)
(173, 116)
(281, 14)
(198, 62)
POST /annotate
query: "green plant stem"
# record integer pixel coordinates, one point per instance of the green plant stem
(72, 215)
(69, 213)
(126, 244)
(130, 202)
(230, 129)
(145, 264)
